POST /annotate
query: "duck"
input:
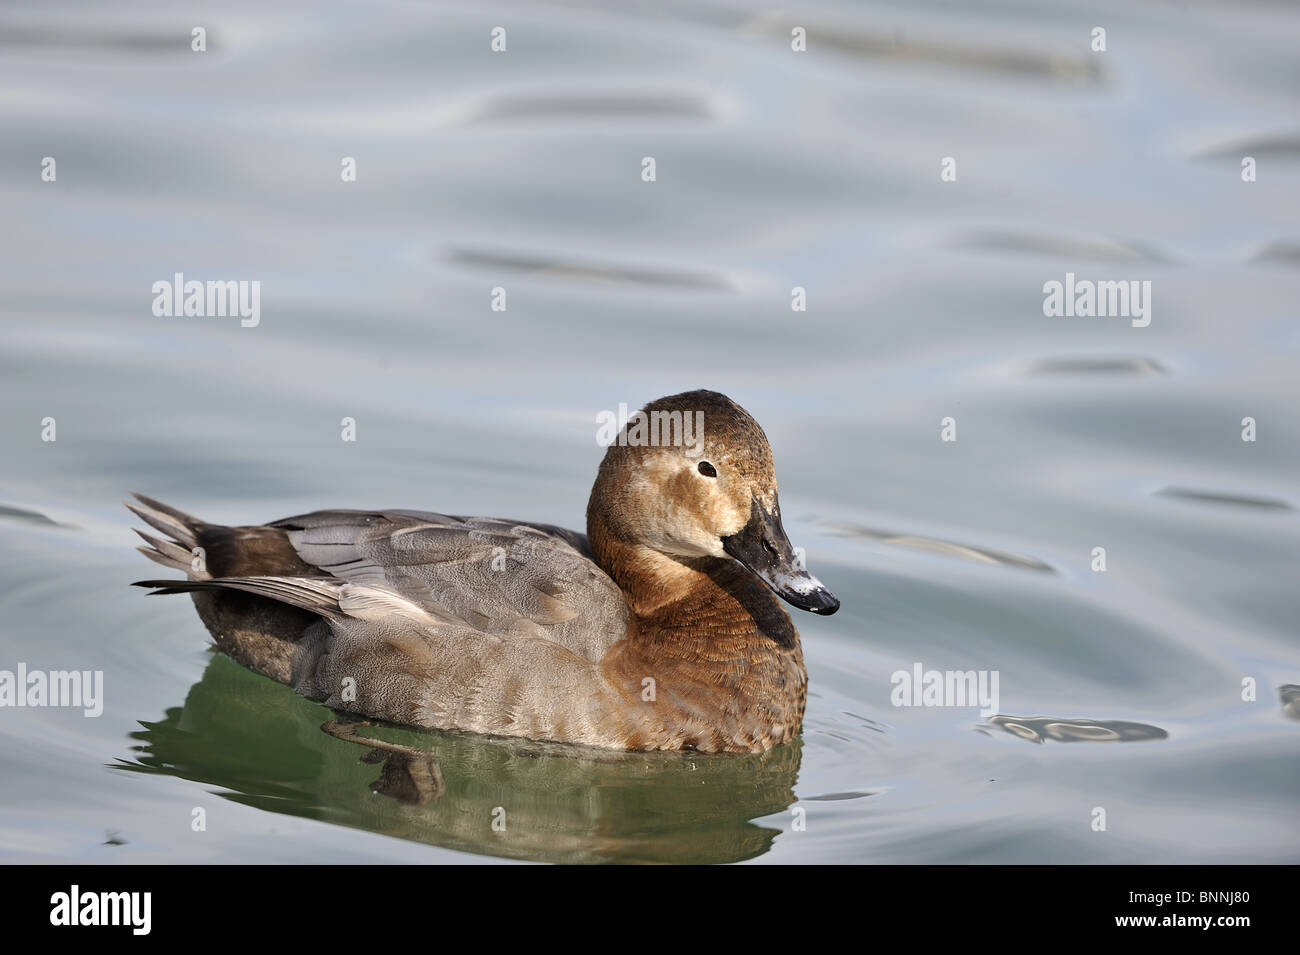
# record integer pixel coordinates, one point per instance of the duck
(661, 628)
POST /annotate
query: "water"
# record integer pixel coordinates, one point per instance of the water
(1119, 690)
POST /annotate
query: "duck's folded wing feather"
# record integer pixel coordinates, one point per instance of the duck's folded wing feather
(496, 576)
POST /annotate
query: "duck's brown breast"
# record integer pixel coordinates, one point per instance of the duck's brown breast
(718, 670)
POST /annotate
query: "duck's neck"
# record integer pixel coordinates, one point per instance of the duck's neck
(724, 657)
(693, 607)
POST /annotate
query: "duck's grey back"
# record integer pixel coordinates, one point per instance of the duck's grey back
(493, 576)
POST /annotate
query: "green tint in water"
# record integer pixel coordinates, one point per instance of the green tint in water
(265, 746)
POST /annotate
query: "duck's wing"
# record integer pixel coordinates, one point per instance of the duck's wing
(495, 576)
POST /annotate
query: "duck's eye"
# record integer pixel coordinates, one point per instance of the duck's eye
(707, 469)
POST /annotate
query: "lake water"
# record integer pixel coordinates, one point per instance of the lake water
(1120, 691)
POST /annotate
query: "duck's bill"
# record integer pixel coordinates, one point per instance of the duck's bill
(762, 547)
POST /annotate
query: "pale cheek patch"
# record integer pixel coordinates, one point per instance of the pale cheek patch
(725, 517)
(677, 511)
(673, 513)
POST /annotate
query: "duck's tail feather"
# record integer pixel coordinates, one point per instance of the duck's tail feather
(181, 552)
(318, 595)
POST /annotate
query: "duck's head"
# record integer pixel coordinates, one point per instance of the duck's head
(691, 476)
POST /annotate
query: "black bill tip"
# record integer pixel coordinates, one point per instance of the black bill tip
(762, 547)
(820, 601)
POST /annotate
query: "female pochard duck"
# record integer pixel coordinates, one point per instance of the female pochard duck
(659, 629)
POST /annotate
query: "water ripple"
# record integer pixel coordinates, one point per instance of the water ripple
(837, 797)
(543, 266)
(1222, 497)
(1039, 729)
(929, 52)
(985, 555)
(1097, 365)
(1068, 247)
(586, 106)
(29, 517)
(1281, 252)
(72, 39)
(1283, 146)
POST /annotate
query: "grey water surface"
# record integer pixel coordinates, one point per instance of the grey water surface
(1124, 690)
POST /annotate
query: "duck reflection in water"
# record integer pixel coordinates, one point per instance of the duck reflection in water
(511, 798)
